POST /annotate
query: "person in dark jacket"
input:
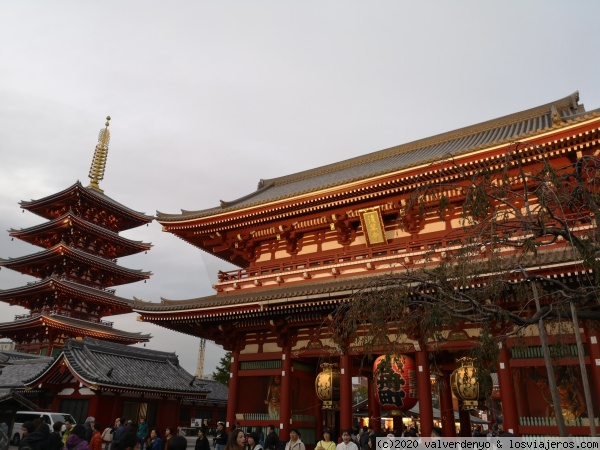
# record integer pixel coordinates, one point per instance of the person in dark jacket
(119, 433)
(254, 442)
(155, 442)
(38, 438)
(26, 429)
(220, 436)
(272, 440)
(54, 440)
(130, 441)
(178, 443)
(202, 441)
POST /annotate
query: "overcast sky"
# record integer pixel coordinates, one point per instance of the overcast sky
(208, 97)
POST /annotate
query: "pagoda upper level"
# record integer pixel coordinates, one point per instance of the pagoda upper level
(81, 234)
(69, 263)
(90, 205)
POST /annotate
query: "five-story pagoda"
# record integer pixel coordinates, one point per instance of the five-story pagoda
(77, 267)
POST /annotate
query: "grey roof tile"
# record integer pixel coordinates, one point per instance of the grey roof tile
(502, 130)
(111, 364)
(18, 367)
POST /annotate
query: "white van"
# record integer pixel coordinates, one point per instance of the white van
(48, 417)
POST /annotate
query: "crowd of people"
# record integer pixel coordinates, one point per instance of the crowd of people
(123, 436)
(91, 436)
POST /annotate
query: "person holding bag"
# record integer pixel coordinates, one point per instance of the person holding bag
(107, 437)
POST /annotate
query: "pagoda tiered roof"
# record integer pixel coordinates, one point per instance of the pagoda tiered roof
(42, 295)
(38, 323)
(64, 261)
(89, 204)
(103, 365)
(106, 243)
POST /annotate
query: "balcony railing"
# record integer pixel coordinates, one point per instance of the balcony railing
(358, 255)
(267, 417)
(556, 351)
(551, 422)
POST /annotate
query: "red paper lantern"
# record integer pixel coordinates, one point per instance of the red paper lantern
(395, 379)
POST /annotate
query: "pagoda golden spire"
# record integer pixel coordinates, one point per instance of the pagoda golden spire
(100, 155)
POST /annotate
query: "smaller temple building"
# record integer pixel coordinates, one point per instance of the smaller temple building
(107, 380)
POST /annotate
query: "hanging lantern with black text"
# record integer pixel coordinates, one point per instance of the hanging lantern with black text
(395, 380)
(327, 385)
(469, 385)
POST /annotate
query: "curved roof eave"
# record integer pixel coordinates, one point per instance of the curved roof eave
(49, 225)
(81, 326)
(92, 193)
(47, 283)
(499, 131)
(76, 254)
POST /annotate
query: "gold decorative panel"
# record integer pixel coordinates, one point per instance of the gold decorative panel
(372, 225)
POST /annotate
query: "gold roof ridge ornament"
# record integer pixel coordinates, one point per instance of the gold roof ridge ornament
(100, 154)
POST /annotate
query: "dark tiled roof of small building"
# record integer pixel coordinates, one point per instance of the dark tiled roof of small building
(218, 392)
(18, 367)
(518, 126)
(115, 365)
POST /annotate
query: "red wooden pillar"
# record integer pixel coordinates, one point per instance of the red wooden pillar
(592, 337)
(93, 408)
(373, 406)
(521, 391)
(285, 413)
(424, 388)
(506, 382)
(319, 416)
(233, 395)
(345, 392)
(446, 408)
(465, 423)
(116, 408)
(163, 421)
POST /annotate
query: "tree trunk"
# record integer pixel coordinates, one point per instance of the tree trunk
(560, 421)
(584, 377)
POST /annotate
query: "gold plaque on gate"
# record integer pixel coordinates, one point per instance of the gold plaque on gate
(372, 224)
